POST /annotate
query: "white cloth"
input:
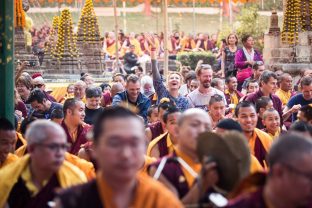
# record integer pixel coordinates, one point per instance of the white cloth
(249, 57)
(199, 100)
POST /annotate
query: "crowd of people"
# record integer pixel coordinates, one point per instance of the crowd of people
(188, 138)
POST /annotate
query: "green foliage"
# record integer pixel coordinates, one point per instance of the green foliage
(250, 22)
(191, 58)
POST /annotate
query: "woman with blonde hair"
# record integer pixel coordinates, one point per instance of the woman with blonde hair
(228, 56)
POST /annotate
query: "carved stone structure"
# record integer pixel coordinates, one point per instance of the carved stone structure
(289, 57)
(88, 40)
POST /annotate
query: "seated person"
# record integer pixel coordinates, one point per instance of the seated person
(119, 147)
(164, 144)
(272, 123)
(35, 178)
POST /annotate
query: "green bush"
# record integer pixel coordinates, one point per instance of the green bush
(191, 58)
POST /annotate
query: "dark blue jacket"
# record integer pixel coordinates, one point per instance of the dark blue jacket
(143, 103)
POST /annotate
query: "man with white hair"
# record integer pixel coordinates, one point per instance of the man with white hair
(80, 90)
(34, 178)
(38, 82)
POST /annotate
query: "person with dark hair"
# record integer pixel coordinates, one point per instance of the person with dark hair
(216, 109)
(57, 116)
(262, 104)
(300, 99)
(76, 130)
(118, 77)
(229, 124)
(130, 59)
(164, 144)
(119, 147)
(93, 107)
(259, 141)
(155, 129)
(185, 89)
(305, 114)
(133, 97)
(301, 127)
(7, 142)
(245, 59)
(272, 123)
(41, 106)
(288, 183)
(152, 114)
(232, 95)
(257, 70)
(106, 88)
(268, 86)
(33, 180)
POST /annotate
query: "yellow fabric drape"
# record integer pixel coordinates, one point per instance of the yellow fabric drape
(68, 175)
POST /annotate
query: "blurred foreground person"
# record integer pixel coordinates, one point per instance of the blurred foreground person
(289, 181)
(119, 147)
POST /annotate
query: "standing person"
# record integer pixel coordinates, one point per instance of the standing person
(259, 141)
(119, 147)
(200, 97)
(88, 79)
(7, 143)
(93, 107)
(268, 86)
(33, 180)
(133, 96)
(288, 183)
(285, 90)
(76, 130)
(130, 59)
(301, 99)
(245, 58)
(147, 87)
(228, 56)
(38, 82)
(174, 83)
(42, 107)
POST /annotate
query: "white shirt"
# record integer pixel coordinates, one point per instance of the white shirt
(200, 100)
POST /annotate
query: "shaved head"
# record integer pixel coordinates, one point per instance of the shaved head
(193, 112)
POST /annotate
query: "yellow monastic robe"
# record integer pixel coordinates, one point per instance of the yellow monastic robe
(68, 175)
(155, 142)
(284, 96)
(111, 48)
(148, 193)
(10, 159)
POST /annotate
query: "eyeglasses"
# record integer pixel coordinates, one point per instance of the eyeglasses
(298, 172)
(54, 147)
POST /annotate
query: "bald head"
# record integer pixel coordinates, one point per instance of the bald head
(116, 88)
(192, 113)
(289, 148)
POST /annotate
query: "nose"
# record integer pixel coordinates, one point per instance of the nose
(126, 151)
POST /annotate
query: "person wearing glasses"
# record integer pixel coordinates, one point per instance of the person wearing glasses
(289, 180)
(32, 181)
(119, 145)
(41, 107)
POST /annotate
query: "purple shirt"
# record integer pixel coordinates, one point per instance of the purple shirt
(277, 103)
(240, 59)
